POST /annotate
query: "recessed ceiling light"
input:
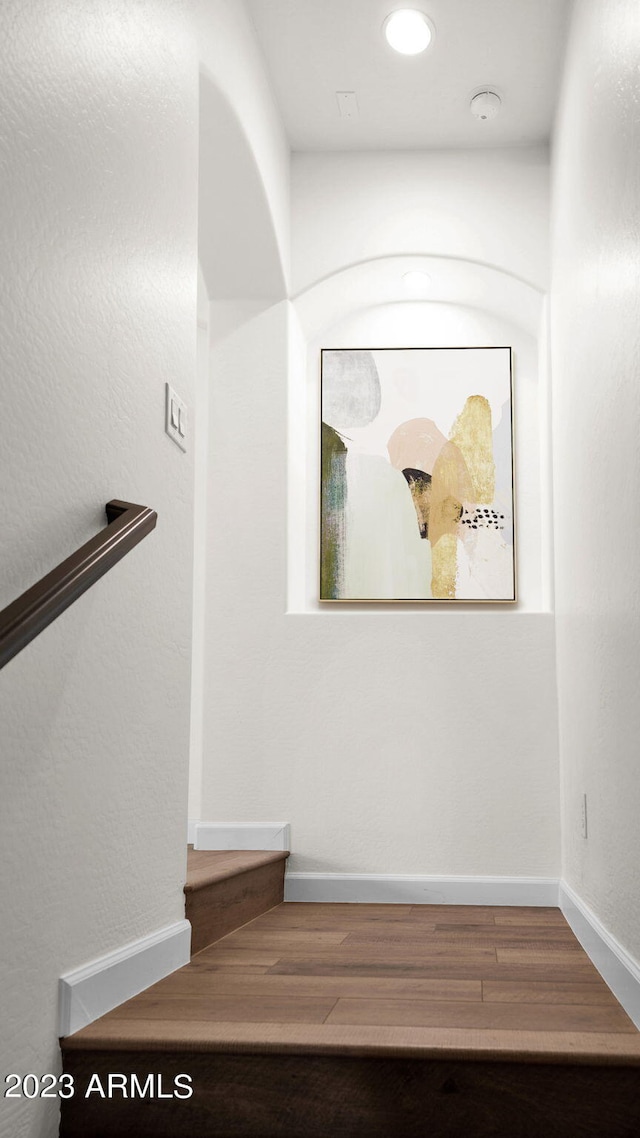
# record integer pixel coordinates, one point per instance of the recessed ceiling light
(408, 31)
(416, 282)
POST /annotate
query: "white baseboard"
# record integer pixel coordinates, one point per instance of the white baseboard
(90, 992)
(617, 968)
(242, 836)
(191, 833)
(415, 890)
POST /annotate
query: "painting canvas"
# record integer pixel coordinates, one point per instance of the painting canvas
(417, 499)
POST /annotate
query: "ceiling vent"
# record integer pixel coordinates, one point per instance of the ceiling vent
(348, 105)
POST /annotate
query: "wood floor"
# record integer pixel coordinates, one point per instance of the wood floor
(480, 980)
(326, 1004)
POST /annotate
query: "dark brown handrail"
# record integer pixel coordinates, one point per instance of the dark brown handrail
(29, 614)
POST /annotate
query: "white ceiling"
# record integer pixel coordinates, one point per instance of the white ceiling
(314, 48)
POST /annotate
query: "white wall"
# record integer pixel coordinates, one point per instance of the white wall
(99, 266)
(485, 206)
(200, 440)
(394, 742)
(596, 363)
(246, 529)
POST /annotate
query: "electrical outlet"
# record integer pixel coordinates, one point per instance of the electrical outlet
(583, 816)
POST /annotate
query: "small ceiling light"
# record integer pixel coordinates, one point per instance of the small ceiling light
(408, 31)
(416, 282)
(485, 105)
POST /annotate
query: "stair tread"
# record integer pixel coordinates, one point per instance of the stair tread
(205, 867)
(365, 981)
(374, 1020)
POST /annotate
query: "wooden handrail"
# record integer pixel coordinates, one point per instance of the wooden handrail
(29, 614)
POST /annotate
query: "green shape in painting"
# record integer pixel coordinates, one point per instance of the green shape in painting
(333, 501)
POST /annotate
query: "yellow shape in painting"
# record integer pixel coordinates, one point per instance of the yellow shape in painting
(444, 567)
(473, 436)
(451, 487)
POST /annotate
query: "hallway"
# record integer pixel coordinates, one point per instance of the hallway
(206, 195)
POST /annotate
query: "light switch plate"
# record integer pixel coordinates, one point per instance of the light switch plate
(175, 417)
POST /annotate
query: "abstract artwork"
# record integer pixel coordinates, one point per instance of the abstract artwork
(416, 490)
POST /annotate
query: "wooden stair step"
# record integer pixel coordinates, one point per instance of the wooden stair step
(227, 888)
(362, 1020)
(269, 1095)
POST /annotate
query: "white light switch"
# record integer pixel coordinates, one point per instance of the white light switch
(175, 423)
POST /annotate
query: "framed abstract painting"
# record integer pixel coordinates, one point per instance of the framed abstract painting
(416, 487)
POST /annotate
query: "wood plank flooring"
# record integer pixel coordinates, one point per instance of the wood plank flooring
(482, 981)
(371, 1021)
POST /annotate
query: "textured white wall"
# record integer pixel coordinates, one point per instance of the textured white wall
(596, 363)
(99, 155)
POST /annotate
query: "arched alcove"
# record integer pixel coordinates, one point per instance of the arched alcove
(465, 303)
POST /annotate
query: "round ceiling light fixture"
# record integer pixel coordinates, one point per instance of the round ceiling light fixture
(416, 282)
(408, 31)
(485, 104)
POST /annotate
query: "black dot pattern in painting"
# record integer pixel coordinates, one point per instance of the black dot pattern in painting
(482, 518)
